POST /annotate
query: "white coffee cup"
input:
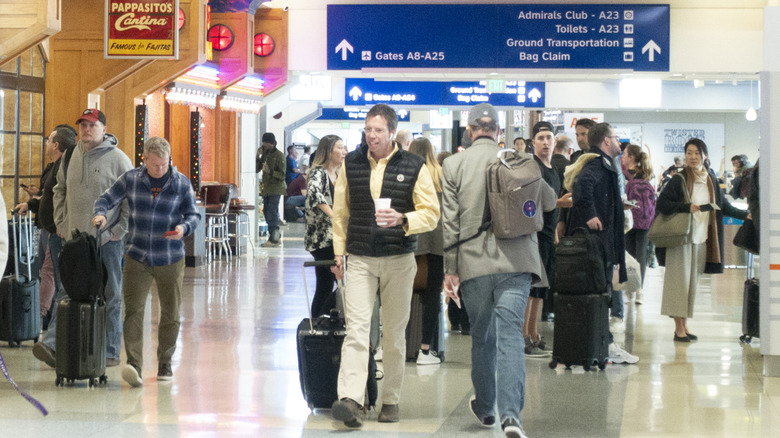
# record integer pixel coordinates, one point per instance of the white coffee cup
(381, 203)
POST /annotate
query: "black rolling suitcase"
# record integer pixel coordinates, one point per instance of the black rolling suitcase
(581, 332)
(319, 343)
(750, 306)
(20, 307)
(81, 324)
(81, 342)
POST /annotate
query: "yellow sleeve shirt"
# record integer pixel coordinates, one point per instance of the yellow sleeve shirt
(426, 205)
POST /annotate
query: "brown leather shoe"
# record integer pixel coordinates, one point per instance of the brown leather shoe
(348, 411)
(388, 414)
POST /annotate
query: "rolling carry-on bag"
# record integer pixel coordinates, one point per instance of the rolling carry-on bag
(581, 332)
(750, 306)
(319, 343)
(81, 325)
(81, 342)
(20, 307)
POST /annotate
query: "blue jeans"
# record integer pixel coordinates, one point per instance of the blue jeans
(112, 254)
(290, 212)
(271, 212)
(496, 307)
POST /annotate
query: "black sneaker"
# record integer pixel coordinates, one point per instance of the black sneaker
(486, 421)
(164, 372)
(512, 429)
(348, 411)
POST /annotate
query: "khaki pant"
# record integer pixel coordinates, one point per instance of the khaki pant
(137, 285)
(393, 276)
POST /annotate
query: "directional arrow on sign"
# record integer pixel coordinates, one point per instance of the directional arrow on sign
(535, 95)
(651, 47)
(355, 93)
(343, 46)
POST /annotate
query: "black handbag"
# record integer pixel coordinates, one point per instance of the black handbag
(747, 237)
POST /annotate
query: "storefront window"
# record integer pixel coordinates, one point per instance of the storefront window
(22, 157)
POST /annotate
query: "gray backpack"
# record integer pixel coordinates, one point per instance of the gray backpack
(512, 209)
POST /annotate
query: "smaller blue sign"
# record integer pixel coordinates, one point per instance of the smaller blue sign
(510, 93)
(355, 114)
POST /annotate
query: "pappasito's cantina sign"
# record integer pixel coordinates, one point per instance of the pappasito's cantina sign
(142, 29)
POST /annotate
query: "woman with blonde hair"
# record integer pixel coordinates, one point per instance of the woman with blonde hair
(318, 239)
(639, 190)
(430, 244)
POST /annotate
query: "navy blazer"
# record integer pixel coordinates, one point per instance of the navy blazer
(596, 194)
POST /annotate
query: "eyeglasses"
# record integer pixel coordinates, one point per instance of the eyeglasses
(616, 137)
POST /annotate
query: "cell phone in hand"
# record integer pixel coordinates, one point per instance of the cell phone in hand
(24, 186)
(170, 233)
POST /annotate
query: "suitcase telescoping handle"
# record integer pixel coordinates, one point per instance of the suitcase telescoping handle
(24, 229)
(315, 263)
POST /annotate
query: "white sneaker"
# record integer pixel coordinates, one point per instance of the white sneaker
(428, 359)
(639, 297)
(616, 325)
(618, 355)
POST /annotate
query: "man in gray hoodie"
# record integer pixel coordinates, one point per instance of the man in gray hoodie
(94, 166)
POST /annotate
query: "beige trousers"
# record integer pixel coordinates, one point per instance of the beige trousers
(393, 277)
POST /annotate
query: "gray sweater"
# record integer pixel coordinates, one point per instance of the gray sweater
(89, 174)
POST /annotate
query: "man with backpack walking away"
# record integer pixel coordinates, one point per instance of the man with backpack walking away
(495, 294)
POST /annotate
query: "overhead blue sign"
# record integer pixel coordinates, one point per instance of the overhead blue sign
(498, 93)
(562, 36)
(355, 114)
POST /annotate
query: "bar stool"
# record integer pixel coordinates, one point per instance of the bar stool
(238, 217)
(217, 199)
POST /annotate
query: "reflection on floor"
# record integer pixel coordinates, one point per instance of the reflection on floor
(236, 373)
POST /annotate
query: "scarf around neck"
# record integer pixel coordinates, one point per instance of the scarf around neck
(693, 176)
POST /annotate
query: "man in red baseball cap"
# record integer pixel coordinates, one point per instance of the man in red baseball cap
(95, 164)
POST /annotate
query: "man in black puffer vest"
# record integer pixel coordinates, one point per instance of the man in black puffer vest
(381, 244)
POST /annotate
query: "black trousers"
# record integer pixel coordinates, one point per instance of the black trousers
(432, 297)
(324, 298)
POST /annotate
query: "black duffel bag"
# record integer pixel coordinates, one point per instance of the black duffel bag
(580, 264)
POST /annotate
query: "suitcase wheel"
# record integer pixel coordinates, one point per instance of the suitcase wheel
(58, 381)
(586, 365)
(568, 365)
(602, 365)
(36, 339)
(103, 379)
(554, 363)
(745, 339)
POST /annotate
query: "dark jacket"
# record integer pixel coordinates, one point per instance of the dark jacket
(364, 236)
(672, 200)
(596, 194)
(559, 163)
(44, 207)
(273, 180)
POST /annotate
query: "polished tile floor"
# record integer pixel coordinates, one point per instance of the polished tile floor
(235, 373)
